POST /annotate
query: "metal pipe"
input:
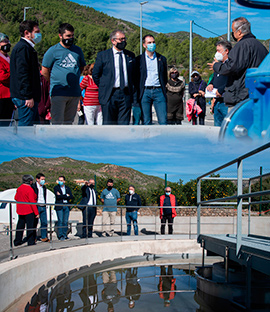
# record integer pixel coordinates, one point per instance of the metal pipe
(141, 4)
(203, 253)
(229, 21)
(198, 208)
(226, 264)
(190, 48)
(249, 206)
(51, 230)
(260, 207)
(11, 254)
(239, 206)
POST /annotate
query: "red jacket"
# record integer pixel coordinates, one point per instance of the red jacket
(4, 78)
(173, 201)
(173, 288)
(25, 193)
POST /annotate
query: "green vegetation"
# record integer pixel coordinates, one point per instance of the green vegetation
(92, 29)
(148, 187)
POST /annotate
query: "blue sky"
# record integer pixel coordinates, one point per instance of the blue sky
(175, 15)
(183, 152)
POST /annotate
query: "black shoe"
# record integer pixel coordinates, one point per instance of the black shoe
(17, 243)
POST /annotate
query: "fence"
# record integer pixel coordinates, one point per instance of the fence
(240, 197)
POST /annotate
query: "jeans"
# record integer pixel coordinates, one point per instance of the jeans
(132, 216)
(220, 111)
(62, 224)
(137, 114)
(43, 221)
(27, 116)
(156, 97)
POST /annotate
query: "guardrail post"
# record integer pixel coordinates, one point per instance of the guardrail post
(11, 254)
(86, 221)
(239, 205)
(51, 229)
(226, 264)
(198, 207)
(121, 222)
(249, 206)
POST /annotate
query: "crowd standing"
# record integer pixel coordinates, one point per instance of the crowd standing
(35, 193)
(117, 83)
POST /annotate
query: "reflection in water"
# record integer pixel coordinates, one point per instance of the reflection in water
(166, 285)
(136, 288)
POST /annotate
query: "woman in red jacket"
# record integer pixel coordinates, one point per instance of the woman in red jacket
(6, 104)
(27, 213)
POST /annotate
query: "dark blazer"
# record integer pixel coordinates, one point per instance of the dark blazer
(142, 72)
(59, 198)
(104, 74)
(35, 188)
(24, 72)
(86, 195)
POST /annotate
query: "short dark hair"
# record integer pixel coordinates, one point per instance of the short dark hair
(225, 44)
(65, 26)
(39, 175)
(143, 39)
(113, 33)
(62, 177)
(110, 181)
(27, 25)
(27, 178)
(132, 186)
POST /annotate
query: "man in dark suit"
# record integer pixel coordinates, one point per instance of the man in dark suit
(41, 192)
(62, 196)
(153, 78)
(114, 73)
(25, 89)
(89, 199)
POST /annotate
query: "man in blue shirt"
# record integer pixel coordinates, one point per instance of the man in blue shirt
(153, 78)
(109, 197)
(62, 66)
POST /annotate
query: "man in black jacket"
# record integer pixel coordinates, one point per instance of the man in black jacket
(134, 201)
(113, 73)
(247, 53)
(41, 191)
(25, 89)
(62, 196)
(152, 75)
(89, 199)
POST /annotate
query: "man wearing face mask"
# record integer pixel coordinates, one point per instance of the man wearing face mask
(25, 89)
(114, 74)
(247, 53)
(133, 201)
(167, 210)
(219, 82)
(110, 197)
(89, 211)
(63, 195)
(41, 192)
(62, 66)
(153, 78)
(6, 104)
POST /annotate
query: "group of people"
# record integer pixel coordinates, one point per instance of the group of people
(36, 192)
(117, 83)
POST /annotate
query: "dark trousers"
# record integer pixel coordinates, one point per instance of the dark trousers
(165, 218)
(29, 220)
(91, 214)
(6, 110)
(118, 109)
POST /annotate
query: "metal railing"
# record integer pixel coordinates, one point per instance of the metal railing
(239, 197)
(148, 221)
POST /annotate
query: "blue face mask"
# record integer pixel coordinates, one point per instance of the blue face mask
(168, 193)
(42, 182)
(61, 183)
(151, 47)
(37, 38)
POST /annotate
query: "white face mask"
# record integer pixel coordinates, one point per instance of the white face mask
(219, 56)
(131, 192)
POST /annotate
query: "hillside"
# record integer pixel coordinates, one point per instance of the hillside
(12, 171)
(92, 29)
